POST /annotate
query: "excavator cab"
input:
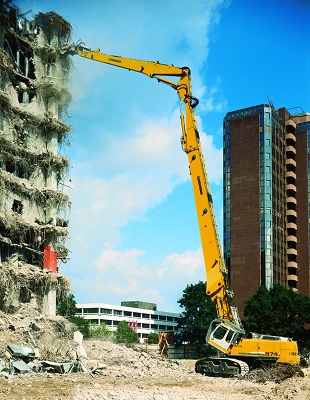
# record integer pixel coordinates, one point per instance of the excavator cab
(223, 334)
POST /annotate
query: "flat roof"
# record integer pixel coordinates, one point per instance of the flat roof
(118, 307)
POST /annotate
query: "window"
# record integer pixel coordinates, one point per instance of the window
(220, 332)
(229, 336)
(117, 312)
(17, 207)
(91, 310)
(105, 311)
(10, 167)
(137, 315)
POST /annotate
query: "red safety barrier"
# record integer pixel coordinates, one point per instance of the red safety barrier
(50, 259)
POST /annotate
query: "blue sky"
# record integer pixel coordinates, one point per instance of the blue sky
(133, 227)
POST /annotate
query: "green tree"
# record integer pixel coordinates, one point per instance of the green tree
(279, 311)
(198, 313)
(152, 338)
(82, 324)
(125, 334)
(66, 305)
(100, 332)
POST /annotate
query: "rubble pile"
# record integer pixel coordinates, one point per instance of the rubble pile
(276, 373)
(114, 360)
(31, 342)
(28, 337)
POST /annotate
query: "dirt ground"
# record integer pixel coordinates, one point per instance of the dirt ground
(121, 373)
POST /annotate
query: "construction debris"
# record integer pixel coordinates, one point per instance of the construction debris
(31, 342)
(21, 351)
(275, 373)
(109, 371)
(21, 367)
(27, 284)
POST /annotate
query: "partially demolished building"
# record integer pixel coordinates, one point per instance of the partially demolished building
(33, 101)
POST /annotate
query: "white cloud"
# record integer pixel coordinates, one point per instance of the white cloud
(137, 180)
(113, 260)
(152, 145)
(138, 278)
(188, 263)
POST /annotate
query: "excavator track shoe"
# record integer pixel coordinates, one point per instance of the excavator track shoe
(223, 366)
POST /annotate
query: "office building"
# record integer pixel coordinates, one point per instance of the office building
(144, 320)
(266, 199)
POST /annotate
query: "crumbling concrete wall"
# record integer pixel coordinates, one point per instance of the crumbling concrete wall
(29, 285)
(33, 99)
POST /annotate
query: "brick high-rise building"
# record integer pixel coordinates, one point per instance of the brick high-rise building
(266, 199)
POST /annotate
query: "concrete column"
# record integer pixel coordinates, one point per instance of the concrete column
(49, 301)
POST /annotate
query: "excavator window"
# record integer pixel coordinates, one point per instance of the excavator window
(229, 336)
(220, 332)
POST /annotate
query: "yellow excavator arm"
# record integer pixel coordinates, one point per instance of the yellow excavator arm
(217, 282)
(153, 69)
(225, 333)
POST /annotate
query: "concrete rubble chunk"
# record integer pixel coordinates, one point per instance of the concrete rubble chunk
(50, 366)
(21, 367)
(6, 369)
(78, 338)
(21, 351)
(35, 366)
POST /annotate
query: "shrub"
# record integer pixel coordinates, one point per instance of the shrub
(100, 332)
(152, 338)
(125, 334)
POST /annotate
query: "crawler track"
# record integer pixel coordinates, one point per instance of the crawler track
(222, 366)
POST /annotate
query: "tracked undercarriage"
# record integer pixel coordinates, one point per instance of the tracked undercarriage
(221, 366)
(231, 367)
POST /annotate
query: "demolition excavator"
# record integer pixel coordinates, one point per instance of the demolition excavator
(239, 351)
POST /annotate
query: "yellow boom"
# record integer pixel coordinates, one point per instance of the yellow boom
(225, 333)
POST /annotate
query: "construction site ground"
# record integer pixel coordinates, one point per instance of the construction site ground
(124, 373)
